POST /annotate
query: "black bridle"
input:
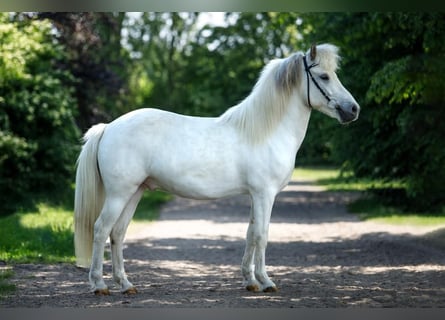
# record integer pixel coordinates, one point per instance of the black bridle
(308, 73)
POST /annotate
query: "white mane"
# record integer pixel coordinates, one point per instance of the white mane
(260, 112)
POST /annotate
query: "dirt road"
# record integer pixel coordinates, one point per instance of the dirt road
(318, 255)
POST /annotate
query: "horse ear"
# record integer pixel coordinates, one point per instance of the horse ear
(313, 52)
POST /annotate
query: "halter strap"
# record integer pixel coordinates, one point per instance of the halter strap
(308, 73)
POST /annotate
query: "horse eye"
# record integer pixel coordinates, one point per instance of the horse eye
(324, 76)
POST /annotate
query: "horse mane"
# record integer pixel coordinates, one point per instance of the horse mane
(262, 110)
(258, 115)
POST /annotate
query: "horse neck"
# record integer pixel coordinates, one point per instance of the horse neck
(297, 120)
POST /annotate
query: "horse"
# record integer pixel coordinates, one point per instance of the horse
(249, 149)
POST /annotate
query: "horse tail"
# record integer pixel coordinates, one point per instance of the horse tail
(89, 195)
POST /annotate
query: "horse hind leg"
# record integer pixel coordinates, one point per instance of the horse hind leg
(111, 211)
(117, 238)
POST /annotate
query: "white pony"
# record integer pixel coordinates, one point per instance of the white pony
(250, 149)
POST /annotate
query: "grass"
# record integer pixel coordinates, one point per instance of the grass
(336, 180)
(315, 174)
(371, 206)
(45, 234)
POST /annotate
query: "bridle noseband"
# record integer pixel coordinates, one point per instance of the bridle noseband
(308, 73)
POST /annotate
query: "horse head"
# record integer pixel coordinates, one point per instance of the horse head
(324, 91)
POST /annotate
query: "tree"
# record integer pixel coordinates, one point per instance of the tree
(234, 55)
(159, 44)
(38, 135)
(204, 71)
(95, 57)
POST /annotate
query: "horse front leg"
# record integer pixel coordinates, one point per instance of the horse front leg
(247, 265)
(254, 260)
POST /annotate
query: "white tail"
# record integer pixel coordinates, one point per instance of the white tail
(89, 196)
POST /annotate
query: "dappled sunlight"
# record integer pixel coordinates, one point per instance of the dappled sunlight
(301, 187)
(408, 268)
(190, 269)
(187, 229)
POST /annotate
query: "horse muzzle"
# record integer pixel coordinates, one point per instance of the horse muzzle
(347, 112)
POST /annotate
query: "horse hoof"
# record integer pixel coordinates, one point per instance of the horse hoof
(102, 292)
(130, 291)
(253, 288)
(270, 289)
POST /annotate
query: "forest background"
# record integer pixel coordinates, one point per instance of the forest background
(62, 72)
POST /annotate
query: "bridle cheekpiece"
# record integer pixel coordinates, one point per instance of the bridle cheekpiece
(309, 74)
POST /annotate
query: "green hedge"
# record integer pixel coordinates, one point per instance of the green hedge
(38, 135)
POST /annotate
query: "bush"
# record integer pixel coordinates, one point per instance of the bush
(38, 135)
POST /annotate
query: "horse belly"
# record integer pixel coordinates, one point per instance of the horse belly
(198, 170)
(197, 183)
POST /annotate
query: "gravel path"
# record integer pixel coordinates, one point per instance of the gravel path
(318, 255)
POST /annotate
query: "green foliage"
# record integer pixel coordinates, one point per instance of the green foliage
(236, 53)
(38, 136)
(95, 57)
(203, 71)
(159, 44)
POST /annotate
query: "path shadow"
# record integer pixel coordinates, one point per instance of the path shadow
(376, 249)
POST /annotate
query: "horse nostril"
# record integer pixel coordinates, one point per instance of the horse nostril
(354, 109)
